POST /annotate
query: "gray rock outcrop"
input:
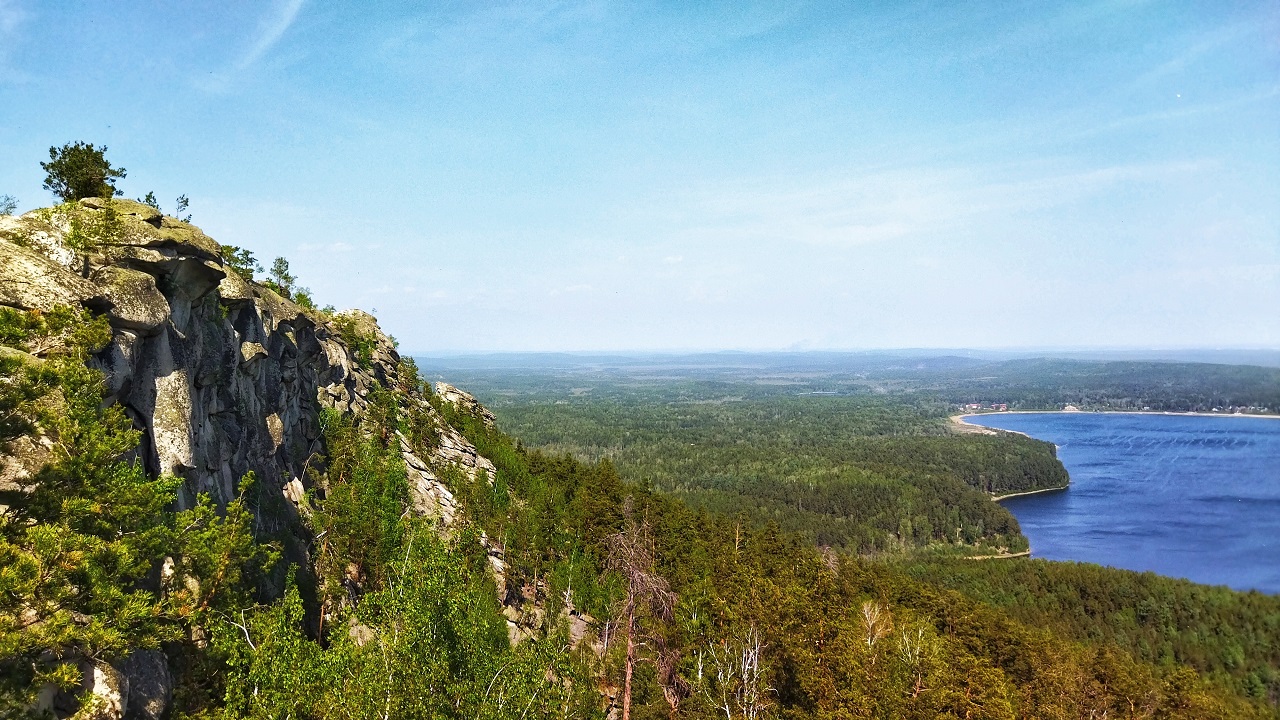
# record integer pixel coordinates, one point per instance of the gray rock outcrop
(222, 377)
(28, 280)
(465, 401)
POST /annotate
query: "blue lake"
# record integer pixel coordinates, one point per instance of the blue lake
(1187, 496)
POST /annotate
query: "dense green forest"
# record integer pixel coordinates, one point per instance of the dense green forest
(1022, 384)
(866, 473)
(1050, 384)
(825, 635)
(1234, 637)
(641, 599)
(666, 436)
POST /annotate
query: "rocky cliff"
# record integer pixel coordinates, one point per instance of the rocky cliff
(221, 375)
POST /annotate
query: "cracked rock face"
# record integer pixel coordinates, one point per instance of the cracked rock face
(221, 375)
(28, 280)
(136, 304)
(465, 401)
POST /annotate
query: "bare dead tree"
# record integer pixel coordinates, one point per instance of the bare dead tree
(877, 621)
(736, 684)
(674, 687)
(648, 596)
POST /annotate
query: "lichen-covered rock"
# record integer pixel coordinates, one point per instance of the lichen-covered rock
(455, 450)
(30, 281)
(143, 212)
(233, 288)
(146, 227)
(20, 461)
(23, 456)
(136, 304)
(430, 497)
(251, 351)
(464, 401)
(150, 684)
(221, 375)
(104, 693)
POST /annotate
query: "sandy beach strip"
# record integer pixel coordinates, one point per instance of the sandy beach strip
(961, 424)
(998, 498)
(961, 417)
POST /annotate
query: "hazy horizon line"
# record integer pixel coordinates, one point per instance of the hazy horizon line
(781, 351)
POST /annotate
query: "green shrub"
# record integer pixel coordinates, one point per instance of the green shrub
(76, 551)
(240, 261)
(79, 170)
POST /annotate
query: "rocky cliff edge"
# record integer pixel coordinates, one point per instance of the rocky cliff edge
(222, 375)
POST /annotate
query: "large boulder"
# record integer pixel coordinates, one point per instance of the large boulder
(466, 402)
(136, 302)
(150, 684)
(130, 208)
(103, 694)
(29, 281)
(234, 289)
(146, 227)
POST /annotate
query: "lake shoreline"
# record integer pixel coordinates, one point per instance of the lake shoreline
(960, 423)
(964, 426)
(1001, 556)
(998, 498)
(960, 418)
(1179, 497)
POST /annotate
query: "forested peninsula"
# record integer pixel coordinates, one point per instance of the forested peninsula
(222, 501)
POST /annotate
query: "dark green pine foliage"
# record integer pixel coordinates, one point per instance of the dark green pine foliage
(1232, 637)
(79, 170)
(766, 625)
(866, 475)
(405, 623)
(80, 550)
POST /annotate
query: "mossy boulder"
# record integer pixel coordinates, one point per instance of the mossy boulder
(30, 281)
(144, 226)
(136, 302)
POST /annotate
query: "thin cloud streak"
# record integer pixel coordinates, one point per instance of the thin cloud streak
(272, 31)
(900, 205)
(11, 17)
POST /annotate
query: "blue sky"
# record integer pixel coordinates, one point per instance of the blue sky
(629, 176)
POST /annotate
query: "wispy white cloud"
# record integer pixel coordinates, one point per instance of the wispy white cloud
(271, 29)
(12, 16)
(1071, 18)
(1186, 110)
(1213, 40)
(917, 204)
(482, 40)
